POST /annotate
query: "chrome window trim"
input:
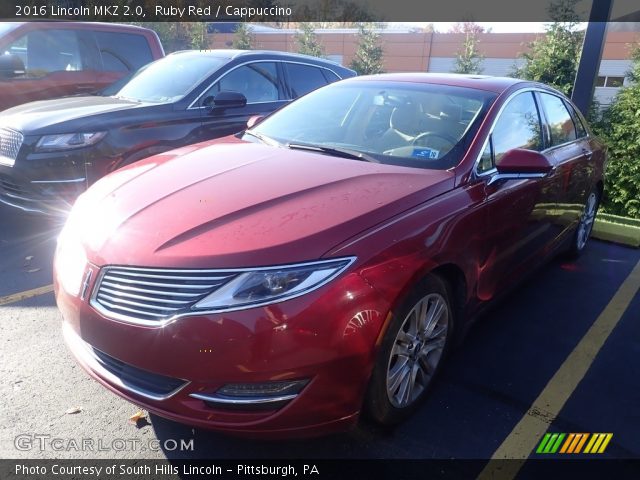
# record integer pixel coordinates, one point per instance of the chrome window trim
(93, 301)
(73, 180)
(498, 115)
(219, 77)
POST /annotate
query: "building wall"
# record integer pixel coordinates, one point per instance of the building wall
(498, 67)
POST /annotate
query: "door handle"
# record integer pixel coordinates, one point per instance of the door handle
(587, 153)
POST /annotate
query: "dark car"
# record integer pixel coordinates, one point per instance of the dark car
(42, 60)
(283, 280)
(50, 151)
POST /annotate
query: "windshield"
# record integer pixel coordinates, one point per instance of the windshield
(412, 124)
(170, 78)
(6, 27)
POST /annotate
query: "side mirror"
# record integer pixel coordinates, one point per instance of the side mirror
(229, 100)
(520, 163)
(254, 120)
(11, 66)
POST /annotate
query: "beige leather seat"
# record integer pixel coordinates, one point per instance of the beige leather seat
(404, 126)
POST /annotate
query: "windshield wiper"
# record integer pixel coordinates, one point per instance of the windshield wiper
(262, 138)
(337, 151)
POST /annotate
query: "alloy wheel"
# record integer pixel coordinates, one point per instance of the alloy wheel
(586, 221)
(417, 350)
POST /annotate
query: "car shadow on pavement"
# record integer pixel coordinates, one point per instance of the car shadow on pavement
(208, 444)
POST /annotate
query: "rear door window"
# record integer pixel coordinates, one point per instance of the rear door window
(581, 131)
(46, 51)
(123, 52)
(304, 78)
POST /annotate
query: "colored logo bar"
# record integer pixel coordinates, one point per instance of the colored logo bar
(574, 443)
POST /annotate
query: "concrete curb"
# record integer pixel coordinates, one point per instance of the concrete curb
(616, 229)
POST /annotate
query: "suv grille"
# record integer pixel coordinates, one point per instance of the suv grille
(10, 143)
(151, 295)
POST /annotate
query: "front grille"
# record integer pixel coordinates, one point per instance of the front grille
(151, 295)
(10, 143)
(140, 381)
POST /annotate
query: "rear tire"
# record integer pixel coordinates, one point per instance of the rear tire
(585, 225)
(412, 351)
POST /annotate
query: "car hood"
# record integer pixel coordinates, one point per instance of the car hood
(239, 205)
(45, 116)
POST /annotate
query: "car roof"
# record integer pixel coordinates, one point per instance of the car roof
(479, 82)
(55, 23)
(235, 53)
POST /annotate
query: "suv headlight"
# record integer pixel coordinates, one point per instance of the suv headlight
(273, 284)
(68, 141)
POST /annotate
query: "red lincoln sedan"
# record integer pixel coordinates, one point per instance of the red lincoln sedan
(318, 265)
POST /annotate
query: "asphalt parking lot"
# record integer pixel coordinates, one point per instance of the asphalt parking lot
(502, 389)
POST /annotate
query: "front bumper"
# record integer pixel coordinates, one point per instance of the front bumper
(49, 183)
(48, 197)
(320, 337)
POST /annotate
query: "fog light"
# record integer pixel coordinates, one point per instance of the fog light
(269, 389)
(251, 397)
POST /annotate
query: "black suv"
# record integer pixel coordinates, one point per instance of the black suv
(51, 151)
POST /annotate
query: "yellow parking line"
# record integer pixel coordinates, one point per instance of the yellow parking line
(16, 297)
(526, 434)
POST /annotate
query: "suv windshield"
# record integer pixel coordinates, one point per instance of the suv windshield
(412, 124)
(170, 78)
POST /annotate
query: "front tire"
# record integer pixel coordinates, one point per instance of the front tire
(411, 353)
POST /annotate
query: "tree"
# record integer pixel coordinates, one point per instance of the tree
(553, 59)
(620, 129)
(368, 57)
(243, 39)
(468, 27)
(468, 59)
(179, 35)
(343, 12)
(308, 43)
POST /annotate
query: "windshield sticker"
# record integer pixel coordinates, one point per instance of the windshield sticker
(425, 153)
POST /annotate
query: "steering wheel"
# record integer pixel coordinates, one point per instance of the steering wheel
(443, 136)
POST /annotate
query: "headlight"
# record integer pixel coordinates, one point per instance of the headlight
(71, 263)
(68, 141)
(273, 284)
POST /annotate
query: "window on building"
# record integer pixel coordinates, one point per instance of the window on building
(614, 82)
(611, 82)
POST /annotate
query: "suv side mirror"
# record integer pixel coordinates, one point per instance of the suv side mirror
(520, 163)
(11, 66)
(226, 99)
